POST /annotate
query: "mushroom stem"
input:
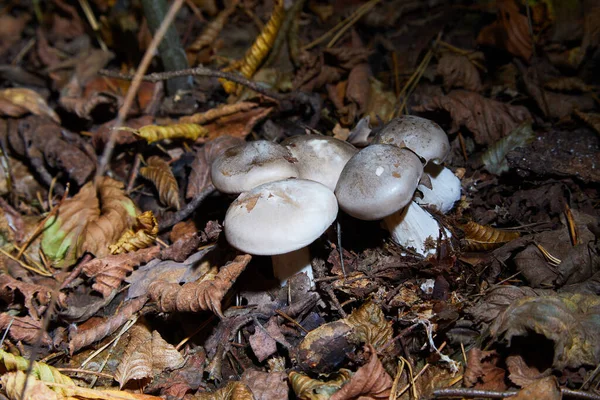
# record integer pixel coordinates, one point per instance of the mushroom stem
(287, 265)
(445, 189)
(413, 227)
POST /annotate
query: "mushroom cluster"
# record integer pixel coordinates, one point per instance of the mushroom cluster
(275, 215)
(380, 181)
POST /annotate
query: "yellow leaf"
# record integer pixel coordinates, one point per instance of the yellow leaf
(159, 172)
(144, 235)
(17, 102)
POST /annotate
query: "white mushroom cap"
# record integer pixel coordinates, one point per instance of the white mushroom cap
(378, 181)
(241, 168)
(320, 158)
(420, 135)
(445, 189)
(280, 217)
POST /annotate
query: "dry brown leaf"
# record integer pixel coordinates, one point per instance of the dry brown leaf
(509, 32)
(11, 28)
(201, 295)
(307, 388)
(238, 125)
(369, 382)
(370, 326)
(164, 355)
(266, 385)
(522, 374)
(14, 382)
(487, 119)
(35, 297)
(200, 175)
(110, 271)
(592, 119)
(482, 371)
(483, 237)
(542, 389)
(141, 236)
(88, 222)
(458, 71)
(24, 329)
(16, 102)
(136, 362)
(233, 391)
(159, 172)
(357, 91)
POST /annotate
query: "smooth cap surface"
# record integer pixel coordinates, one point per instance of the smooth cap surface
(378, 181)
(320, 158)
(420, 135)
(279, 217)
(244, 167)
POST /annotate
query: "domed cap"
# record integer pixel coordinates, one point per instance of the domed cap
(378, 181)
(420, 135)
(280, 217)
(320, 158)
(244, 167)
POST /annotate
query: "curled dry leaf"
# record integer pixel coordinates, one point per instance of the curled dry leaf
(201, 295)
(110, 271)
(141, 236)
(36, 297)
(483, 237)
(370, 326)
(146, 354)
(458, 71)
(86, 335)
(211, 31)
(370, 381)
(509, 32)
(522, 374)
(307, 388)
(200, 175)
(494, 158)
(542, 389)
(26, 329)
(16, 102)
(14, 383)
(159, 172)
(233, 391)
(156, 133)
(488, 120)
(570, 321)
(88, 222)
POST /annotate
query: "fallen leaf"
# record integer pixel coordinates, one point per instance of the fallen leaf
(266, 385)
(497, 300)
(88, 222)
(370, 326)
(36, 297)
(141, 236)
(159, 172)
(237, 125)
(483, 237)
(16, 102)
(494, 158)
(542, 389)
(488, 120)
(26, 329)
(522, 374)
(262, 344)
(509, 32)
(233, 391)
(307, 388)
(482, 371)
(11, 29)
(592, 119)
(458, 71)
(13, 384)
(370, 381)
(136, 362)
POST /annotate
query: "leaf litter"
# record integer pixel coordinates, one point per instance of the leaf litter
(117, 277)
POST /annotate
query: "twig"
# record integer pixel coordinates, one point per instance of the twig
(493, 394)
(180, 215)
(135, 85)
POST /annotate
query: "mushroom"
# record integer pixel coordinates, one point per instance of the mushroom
(424, 137)
(241, 168)
(320, 158)
(281, 219)
(378, 182)
(444, 191)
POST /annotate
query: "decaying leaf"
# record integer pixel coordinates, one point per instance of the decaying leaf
(218, 112)
(370, 326)
(201, 295)
(266, 385)
(110, 271)
(141, 236)
(483, 372)
(497, 301)
(16, 102)
(570, 321)
(522, 374)
(494, 158)
(233, 391)
(307, 388)
(88, 222)
(542, 389)
(483, 237)
(488, 120)
(212, 30)
(509, 32)
(159, 172)
(592, 119)
(26, 329)
(146, 354)
(381, 102)
(14, 383)
(36, 297)
(458, 71)
(155, 133)
(369, 381)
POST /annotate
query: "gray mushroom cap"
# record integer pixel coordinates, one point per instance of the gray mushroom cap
(320, 158)
(280, 217)
(244, 167)
(420, 135)
(378, 181)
